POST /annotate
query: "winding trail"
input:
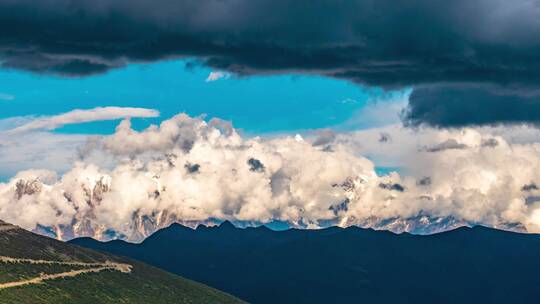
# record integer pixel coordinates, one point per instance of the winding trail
(93, 268)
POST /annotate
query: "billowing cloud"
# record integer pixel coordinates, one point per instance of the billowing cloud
(191, 171)
(82, 116)
(246, 180)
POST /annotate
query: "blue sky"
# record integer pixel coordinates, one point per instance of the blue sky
(260, 104)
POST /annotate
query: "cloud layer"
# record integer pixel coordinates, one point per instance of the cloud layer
(191, 171)
(80, 116)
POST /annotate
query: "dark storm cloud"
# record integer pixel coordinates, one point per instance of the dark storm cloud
(385, 43)
(379, 42)
(467, 105)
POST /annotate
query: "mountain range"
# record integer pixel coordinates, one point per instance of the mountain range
(142, 224)
(346, 265)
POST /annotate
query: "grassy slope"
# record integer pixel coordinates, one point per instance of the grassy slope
(145, 284)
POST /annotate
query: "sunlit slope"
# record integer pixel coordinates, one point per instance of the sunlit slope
(36, 269)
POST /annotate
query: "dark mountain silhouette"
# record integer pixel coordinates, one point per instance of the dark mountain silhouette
(351, 265)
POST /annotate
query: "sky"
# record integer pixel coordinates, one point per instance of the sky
(262, 104)
(118, 118)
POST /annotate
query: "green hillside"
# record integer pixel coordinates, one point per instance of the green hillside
(51, 271)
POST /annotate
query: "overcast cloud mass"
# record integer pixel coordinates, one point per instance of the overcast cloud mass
(384, 43)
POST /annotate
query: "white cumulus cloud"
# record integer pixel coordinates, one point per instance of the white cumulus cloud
(187, 170)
